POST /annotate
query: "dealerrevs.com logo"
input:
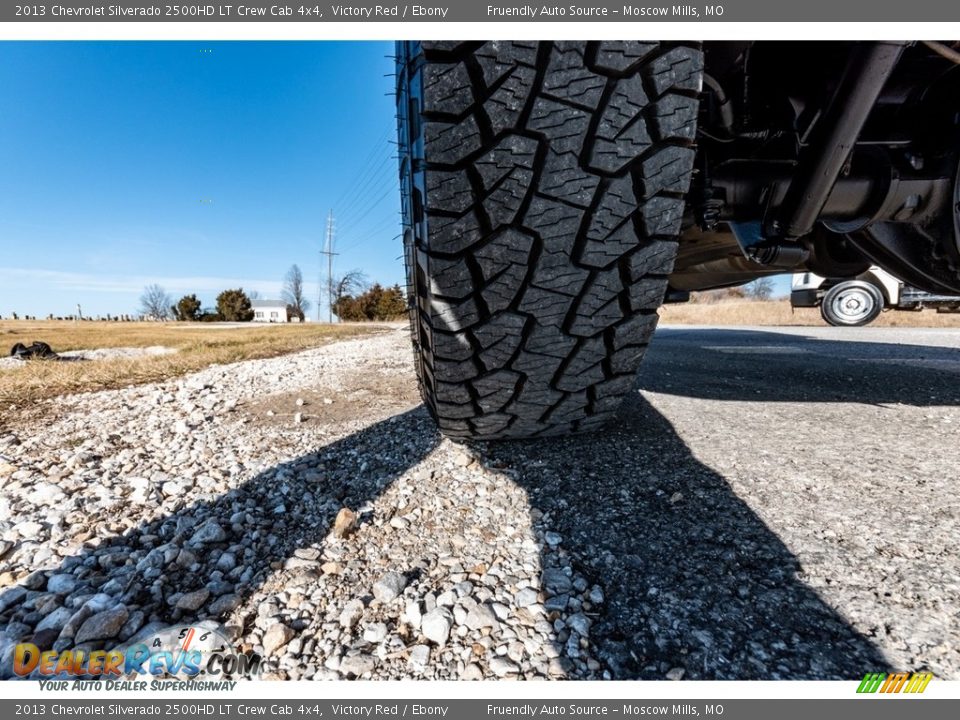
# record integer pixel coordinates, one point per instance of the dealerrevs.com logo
(895, 683)
(187, 651)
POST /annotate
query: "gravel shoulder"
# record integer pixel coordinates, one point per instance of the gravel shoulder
(122, 354)
(768, 505)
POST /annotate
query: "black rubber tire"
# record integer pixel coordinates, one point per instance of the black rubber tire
(543, 191)
(868, 299)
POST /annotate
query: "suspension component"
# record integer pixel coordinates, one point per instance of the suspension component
(834, 137)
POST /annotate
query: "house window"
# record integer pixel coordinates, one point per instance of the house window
(259, 314)
(273, 316)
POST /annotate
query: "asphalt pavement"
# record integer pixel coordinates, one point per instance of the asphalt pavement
(839, 449)
(772, 503)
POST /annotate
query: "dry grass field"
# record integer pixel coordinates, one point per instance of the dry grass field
(198, 345)
(779, 312)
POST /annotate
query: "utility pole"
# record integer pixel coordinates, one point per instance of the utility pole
(329, 253)
(320, 290)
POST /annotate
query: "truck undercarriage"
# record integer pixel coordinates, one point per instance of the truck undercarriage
(826, 157)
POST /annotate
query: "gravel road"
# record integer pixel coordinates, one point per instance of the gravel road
(771, 503)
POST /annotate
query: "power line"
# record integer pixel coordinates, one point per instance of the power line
(371, 225)
(366, 166)
(373, 234)
(370, 187)
(368, 160)
(368, 211)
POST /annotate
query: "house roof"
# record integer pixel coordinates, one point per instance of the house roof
(268, 304)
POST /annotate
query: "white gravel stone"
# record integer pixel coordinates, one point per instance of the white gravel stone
(62, 584)
(55, 620)
(356, 665)
(552, 538)
(276, 637)
(482, 616)
(556, 582)
(193, 600)
(375, 632)
(351, 614)
(28, 529)
(436, 625)
(224, 604)
(580, 623)
(389, 586)
(102, 626)
(526, 597)
(472, 672)
(502, 667)
(412, 614)
(209, 532)
(419, 657)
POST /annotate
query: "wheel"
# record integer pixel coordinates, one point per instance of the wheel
(852, 303)
(543, 190)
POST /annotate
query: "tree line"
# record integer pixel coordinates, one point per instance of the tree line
(354, 299)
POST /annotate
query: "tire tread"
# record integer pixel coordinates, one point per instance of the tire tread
(553, 179)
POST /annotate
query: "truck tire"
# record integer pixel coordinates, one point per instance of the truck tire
(543, 190)
(852, 303)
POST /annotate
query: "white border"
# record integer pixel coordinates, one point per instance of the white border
(448, 690)
(505, 30)
(499, 691)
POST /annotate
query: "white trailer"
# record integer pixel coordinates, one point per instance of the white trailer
(859, 300)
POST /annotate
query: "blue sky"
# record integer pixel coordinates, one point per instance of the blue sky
(199, 166)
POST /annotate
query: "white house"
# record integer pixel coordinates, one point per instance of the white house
(269, 311)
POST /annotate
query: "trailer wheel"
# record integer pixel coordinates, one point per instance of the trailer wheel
(851, 304)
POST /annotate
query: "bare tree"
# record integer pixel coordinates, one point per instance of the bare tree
(759, 289)
(292, 293)
(155, 302)
(350, 284)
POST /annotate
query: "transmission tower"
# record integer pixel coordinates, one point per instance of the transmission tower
(329, 253)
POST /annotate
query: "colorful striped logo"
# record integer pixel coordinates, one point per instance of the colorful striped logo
(894, 682)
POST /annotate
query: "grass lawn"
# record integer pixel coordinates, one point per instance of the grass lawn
(198, 345)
